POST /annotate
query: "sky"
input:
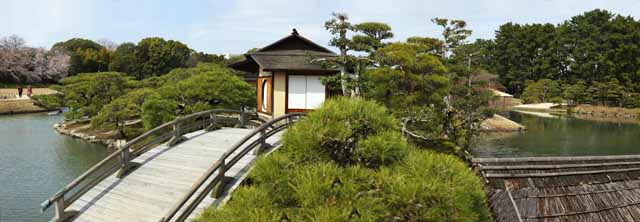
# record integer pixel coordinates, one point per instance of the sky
(235, 26)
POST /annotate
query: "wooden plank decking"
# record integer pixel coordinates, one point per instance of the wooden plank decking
(166, 174)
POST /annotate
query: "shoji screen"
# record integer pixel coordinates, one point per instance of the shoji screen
(305, 92)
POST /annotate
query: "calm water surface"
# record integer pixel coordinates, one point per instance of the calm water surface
(564, 136)
(36, 162)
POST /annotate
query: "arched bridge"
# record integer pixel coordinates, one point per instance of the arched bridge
(173, 172)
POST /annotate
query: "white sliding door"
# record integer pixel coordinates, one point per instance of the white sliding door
(297, 92)
(315, 92)
(305, 92)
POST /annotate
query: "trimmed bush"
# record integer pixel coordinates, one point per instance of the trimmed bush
(334, 131)
(376, 177)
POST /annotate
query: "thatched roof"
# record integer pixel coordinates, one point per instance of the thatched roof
(584, 189)
(292, 52)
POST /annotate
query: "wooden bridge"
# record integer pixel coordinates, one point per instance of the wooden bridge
(169, 173)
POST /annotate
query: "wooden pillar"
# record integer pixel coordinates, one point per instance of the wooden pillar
(243, 117)
(177, 133)
(223, 178)
(59, 208)
(59, 214)
(126, 166)
(214, 122)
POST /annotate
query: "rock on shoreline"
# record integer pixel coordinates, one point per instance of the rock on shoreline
(80, 129)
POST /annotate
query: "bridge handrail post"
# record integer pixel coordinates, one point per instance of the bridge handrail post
(125, 161)
(176, 128)
(242, 118)
(177, 132)
(124, 156)
(221, 174)
(213, 118)
(59, 205)
(61, 215)
(263, 142)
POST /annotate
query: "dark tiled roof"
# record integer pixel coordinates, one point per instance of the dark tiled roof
(287, 62)
(292, 52)
(580, 189)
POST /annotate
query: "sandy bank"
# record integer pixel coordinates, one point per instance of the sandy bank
(536, 106)
(15, 106)
(499, 123)
(538, 114)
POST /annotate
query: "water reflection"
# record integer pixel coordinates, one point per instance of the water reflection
(36, 162)
(565, 136)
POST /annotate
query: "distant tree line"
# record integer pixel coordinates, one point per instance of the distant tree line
(153, 56)
(150, 57)
(592, 58)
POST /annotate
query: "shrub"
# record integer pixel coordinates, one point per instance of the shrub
(429, 186)
(334, 131)
(125, 107)
(385, 180)
(217, 88)
(85, 94)
(381, 149)
(156, 110)
(50, 101)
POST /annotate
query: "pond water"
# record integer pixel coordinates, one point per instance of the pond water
(36, 162)
(561, 136)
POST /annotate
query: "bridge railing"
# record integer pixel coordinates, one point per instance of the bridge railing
(120, 160)
(215, 176)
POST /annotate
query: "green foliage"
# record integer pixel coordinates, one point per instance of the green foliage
(596, 46)
(112, 98)
(339, 25)
(454, 33)
(544, 90)
(373, 33)
(150, 57)
(453, 193)
(201, 57)
(284, 190)
(407, 78)
(77, 43)
(50, 101)
(303, 182)
(155, 111)
(156, 56)
(631, 100)
(86, 55)
(126, 107)
(219, 87)
(382, 149)
(352, 122)
(577, 93)
(607, 93)
(85, 94)
(429, 45)
(124, 59)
